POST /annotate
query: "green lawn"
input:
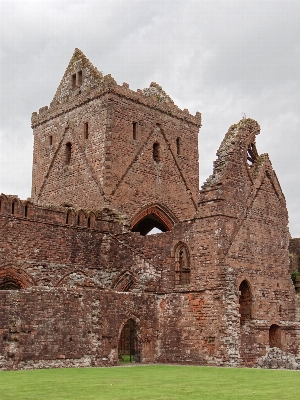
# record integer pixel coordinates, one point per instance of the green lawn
(150, 382)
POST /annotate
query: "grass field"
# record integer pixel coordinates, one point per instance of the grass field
(150, 382)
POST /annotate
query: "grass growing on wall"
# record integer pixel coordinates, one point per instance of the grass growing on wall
(150, 382)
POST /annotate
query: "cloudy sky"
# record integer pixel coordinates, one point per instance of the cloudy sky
(225, 59)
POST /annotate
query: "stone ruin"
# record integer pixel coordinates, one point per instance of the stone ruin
(81, 281)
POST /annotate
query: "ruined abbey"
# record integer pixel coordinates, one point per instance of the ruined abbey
(81, 281)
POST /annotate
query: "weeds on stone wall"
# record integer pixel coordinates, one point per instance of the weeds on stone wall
(294, 275)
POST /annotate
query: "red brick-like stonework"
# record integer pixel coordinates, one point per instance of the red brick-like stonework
(77, 269)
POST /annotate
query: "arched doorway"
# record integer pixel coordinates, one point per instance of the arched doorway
(245, 300)
(275, 336)
(129, 346)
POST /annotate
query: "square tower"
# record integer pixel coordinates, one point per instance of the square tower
(103, 145)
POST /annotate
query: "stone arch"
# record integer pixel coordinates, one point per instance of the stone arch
(182, 264)
(125, 282)
(70, 217)
(91, 219)
(245, 301)
(81, 218)
(3, 203)
(12, 278)
(153, 216)
(275, 336)
(15, 206)
(129, 340)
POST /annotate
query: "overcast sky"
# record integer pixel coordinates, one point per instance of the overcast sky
(225, 59)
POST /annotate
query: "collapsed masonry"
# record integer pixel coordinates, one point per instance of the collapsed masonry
(82, 284)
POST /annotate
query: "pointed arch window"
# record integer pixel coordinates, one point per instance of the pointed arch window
(182, 265)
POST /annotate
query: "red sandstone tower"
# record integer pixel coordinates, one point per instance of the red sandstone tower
(103, 145)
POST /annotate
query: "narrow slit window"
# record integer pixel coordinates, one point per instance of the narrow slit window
(86, 130)
(13, 208)
(89, 222)
(79, 78)
(26, 211)
(50, 140)
(156, 152)
(68, 153)
(134, 130)
(178, 146)
(73, 80)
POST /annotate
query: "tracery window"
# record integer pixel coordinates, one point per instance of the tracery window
(182, 265)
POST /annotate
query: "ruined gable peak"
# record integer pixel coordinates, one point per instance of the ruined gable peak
(80, 76)
(154, 90)
(240, 135)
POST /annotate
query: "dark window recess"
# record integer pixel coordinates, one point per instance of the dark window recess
(275, 336)
(134, 130)
(156, 152)
(68, 153)
(178, 146)
(245, 301)
(26, 210)
(50, 140)
(182, 266)
(89, 222)
(86, 130)
(77, 79)
(13, 208)
(74, 80)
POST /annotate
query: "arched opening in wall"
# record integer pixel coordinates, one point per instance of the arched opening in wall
(153, 217)
(129, 345)
(9, 284)
(68, 153)
(13, 208)
(156, 152)
(275, 336)
(125, 282)
(149, 223)
(26, 211)
(245, 301)
(182, 265)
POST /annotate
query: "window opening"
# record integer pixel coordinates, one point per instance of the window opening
(134, 130)
(73, 80)
(50, 140)
(86, 130)
(251, 154)
(178, 146)
(89, 222)
(13, 208)
(245, 301)
(68, 153)
(156, 152)
(79, 78)
(275, 336)
(78, 220)
(26, 210)
(182, 266)
(129, 348)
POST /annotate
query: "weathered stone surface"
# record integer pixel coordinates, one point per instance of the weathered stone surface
(76, 265)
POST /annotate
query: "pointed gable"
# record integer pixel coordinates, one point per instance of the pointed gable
(80, 77)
